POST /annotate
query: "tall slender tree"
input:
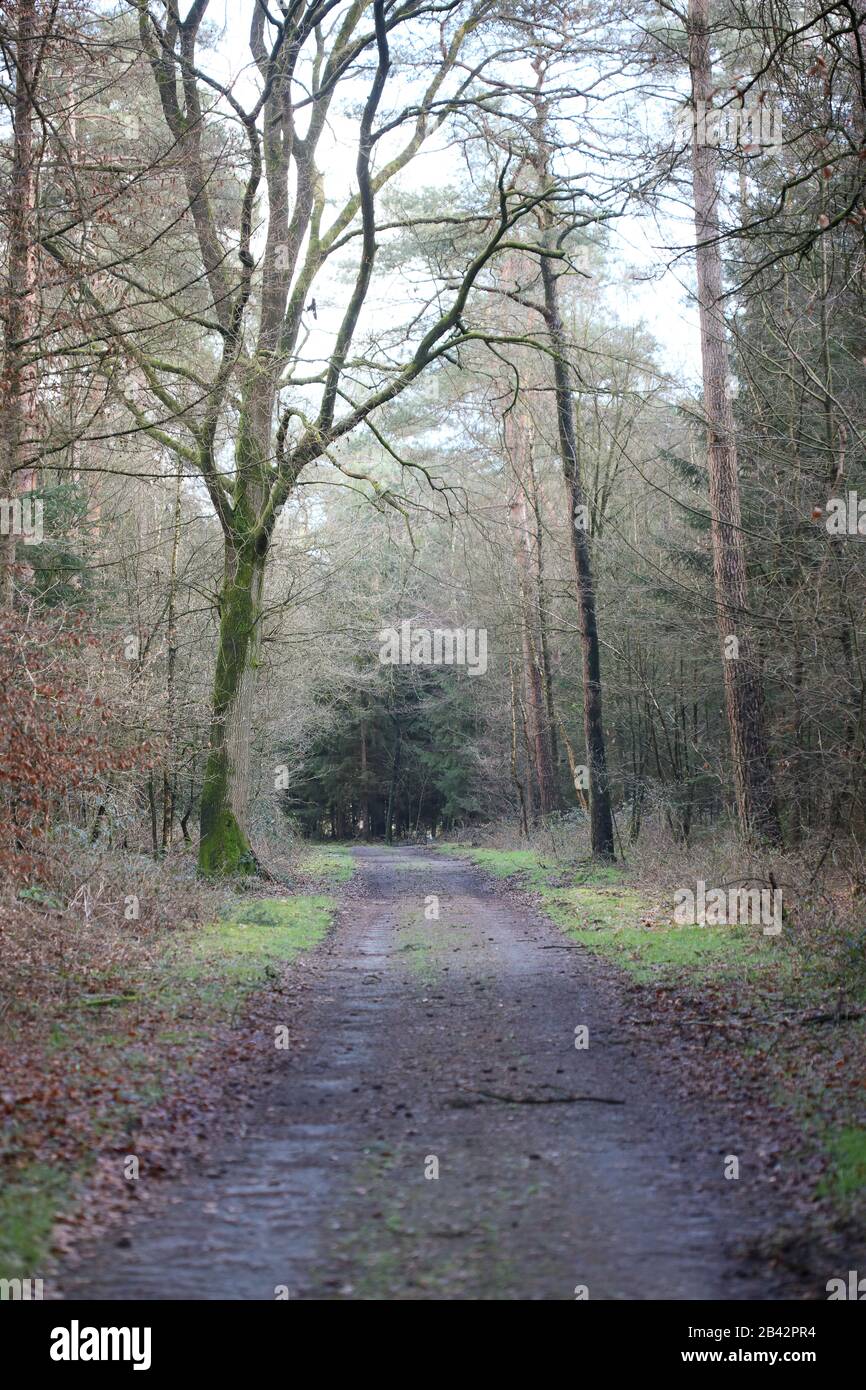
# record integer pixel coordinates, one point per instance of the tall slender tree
(24, 46)
(551, 261)
(752, 772)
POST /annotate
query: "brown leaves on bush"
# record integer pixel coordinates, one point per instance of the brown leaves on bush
(55, 742)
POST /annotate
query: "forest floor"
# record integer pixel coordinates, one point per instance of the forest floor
(433, 1132)
(123, 1045)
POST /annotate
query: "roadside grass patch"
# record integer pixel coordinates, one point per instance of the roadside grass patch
(28, 1209)
(265, 930)
(846, 1149)
(330, 863)
(505, 863)
(244, 950)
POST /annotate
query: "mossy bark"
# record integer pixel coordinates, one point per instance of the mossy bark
(224, 848)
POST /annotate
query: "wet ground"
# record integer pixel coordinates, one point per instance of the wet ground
(434, 1133)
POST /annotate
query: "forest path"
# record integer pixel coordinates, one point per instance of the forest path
(451, 1040)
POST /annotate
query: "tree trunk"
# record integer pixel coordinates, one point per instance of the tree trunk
(600, 814)
(538, 729)
(169, 773)
(151, 801)
(224, 847)
(515, 772)
(366, 810)
(18, 377)
(392, 790)
(541, 597)
(753, 778)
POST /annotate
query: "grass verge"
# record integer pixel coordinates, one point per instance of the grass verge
(327, 864)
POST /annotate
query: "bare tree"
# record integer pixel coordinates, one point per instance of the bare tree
(261, 306)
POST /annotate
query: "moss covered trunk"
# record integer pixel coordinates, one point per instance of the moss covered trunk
(224, 846)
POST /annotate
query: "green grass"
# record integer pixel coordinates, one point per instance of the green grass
(332, 863)
(609, 922)
(504, 863)
(29, 1206)
(261, 932)
(846, 1149)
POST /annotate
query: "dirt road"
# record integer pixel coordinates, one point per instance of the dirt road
(447, 1046)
